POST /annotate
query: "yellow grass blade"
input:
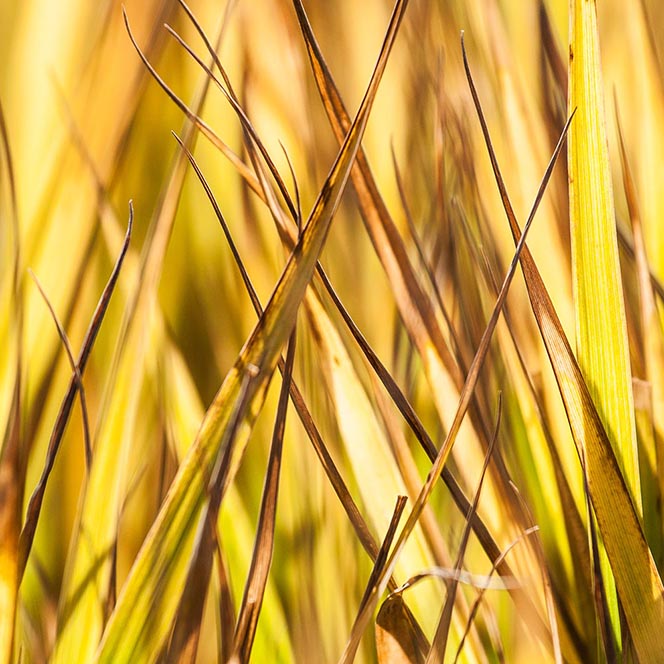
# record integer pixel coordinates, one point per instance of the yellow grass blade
(601, 334)
(184, 412)
(156, 579)
(602, 349)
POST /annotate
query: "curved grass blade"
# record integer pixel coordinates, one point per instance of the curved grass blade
(637, 581)
(74, 368)
(157, 576)
(36, 500)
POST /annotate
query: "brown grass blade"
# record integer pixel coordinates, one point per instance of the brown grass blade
(191, 115)
(264, 546)
(36, 500)
(396, 639)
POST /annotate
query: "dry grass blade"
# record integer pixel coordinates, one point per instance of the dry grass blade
(264, 545)
(74, 368)
(378, 571)
(638, 583)
(36, 500)
(396, 640)
(439, 643)
(157, 573)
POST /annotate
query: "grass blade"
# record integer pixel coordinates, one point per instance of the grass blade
(602, 350)
(36, 500)
(12, 465)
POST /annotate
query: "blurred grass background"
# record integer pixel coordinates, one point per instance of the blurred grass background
(89, 129)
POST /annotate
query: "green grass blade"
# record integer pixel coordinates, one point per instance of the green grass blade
(602, 349)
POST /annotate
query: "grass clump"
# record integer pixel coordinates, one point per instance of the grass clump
(375, 385)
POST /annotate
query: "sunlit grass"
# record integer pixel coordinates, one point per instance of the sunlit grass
(146, 551)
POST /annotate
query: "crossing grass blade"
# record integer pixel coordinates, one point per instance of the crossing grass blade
(156, 578)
